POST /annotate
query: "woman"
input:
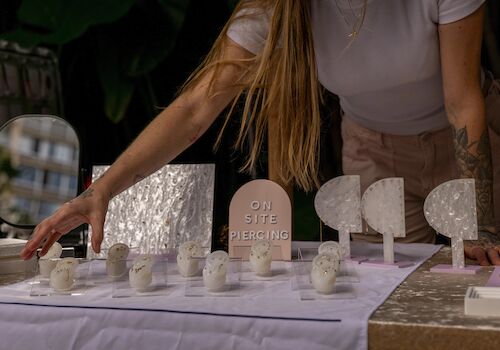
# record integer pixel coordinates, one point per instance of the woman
(404, 71)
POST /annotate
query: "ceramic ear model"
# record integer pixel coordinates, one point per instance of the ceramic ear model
(217, 257)
(324, 273)
(70, 263)
(62, 278)
(214, 277)
(140, 276)
(261, 257)
(186, 258)
(215, 270)
(331, 248)
(116, 263)
(49, 261)
(145, 259)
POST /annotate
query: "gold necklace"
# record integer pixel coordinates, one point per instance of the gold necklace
(360, 18)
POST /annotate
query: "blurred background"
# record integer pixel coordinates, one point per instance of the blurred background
(110, 67)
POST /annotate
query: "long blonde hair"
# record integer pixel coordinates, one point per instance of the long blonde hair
(280, 86)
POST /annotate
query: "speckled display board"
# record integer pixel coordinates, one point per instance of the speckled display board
(171, 206)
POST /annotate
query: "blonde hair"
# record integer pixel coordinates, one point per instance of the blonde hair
(280, 86)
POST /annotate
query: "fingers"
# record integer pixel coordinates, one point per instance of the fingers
(39, 234)
(54, 237)
(62, 222)
(97, 234)
(494, 255)
(477, 253)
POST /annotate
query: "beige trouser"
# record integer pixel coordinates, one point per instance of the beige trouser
(424, 161)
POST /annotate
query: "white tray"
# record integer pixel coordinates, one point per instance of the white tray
(482, 301)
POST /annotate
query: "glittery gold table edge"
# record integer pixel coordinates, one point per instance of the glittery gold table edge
(427, 312)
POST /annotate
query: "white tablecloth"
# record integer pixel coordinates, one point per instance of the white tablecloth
(268, 315)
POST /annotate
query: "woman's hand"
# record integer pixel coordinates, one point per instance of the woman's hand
(486, 250)
(89, 207)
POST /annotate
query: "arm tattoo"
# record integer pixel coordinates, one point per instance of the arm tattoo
(474, 161)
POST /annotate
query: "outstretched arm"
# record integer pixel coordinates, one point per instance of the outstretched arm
(171, 132)
(460, 46)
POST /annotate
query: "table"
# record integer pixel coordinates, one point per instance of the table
(424, 312)
(427, 312)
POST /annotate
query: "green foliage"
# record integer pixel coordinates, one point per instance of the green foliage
(60, 21)
(133, 38)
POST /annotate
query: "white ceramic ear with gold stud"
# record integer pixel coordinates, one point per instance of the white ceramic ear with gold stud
(324, 273)
(261, 257)
(116, 262)
(187, 262)
(49, 261)
(215, 271)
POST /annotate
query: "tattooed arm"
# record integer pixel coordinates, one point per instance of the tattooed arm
(171, 132)
(460, 47)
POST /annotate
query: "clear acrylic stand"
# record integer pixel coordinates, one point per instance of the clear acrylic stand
(98, 269)
(347, 271)
(280, 271)
(174, 276)
(196, 287)
(158, 286)
(40, 285)
(302, 283)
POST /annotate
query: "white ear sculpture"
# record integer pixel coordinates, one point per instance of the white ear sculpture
(337, 203)
(383, 208)
(450, 209)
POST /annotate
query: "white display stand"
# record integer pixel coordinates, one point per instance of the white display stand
(337, 204)
(451, 210)
(383, 208)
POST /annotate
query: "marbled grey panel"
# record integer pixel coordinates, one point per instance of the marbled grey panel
(383, 206)
(337, 203)
(173, 205)
(451, 210)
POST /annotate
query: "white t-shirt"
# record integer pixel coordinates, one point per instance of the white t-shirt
(389, 78)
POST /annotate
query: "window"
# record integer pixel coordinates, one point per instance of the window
(26, 173)
(52, 149)
(51, 179)
(23, 204)
(73, 183)
(35, 146)
(47, 208)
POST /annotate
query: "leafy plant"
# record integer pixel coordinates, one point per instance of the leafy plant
(145, 36)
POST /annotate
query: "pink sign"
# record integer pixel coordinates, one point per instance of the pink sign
(261, 209)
